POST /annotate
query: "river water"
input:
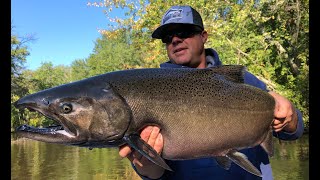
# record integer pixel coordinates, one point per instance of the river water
(37, 160)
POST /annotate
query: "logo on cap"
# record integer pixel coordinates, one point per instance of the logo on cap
(172, 14)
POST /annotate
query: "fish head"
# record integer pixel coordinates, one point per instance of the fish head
(88, 115)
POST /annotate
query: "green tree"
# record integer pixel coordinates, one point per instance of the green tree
(19, 52)
(79, 69)
(113, 53)
(47, 76)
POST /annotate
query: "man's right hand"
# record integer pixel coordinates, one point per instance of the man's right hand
(151, 135)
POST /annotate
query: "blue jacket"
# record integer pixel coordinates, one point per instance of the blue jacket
(207, 168)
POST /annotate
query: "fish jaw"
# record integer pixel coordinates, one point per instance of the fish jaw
(52, 134)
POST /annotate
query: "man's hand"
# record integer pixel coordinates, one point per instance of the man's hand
(285, 115)
(151, 135)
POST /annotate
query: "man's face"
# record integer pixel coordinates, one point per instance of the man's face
(187, 45)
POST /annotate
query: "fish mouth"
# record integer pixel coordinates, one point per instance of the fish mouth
(46, 130)
(61, 131)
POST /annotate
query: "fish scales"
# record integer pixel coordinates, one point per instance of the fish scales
(203, 104)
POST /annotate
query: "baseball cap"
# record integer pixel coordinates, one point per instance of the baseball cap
(178, 15)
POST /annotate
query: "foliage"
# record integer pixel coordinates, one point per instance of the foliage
(19, 52)
(79, 69)
(113, 53)
(47, 76)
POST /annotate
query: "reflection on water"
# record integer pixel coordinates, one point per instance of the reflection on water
(291, 159)
(37, 160)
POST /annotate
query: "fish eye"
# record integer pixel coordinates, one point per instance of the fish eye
(66, 108)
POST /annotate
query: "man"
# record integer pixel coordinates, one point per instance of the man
(183, 33)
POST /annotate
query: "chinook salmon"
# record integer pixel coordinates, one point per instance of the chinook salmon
(201, 113)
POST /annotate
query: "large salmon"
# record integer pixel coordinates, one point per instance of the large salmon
(201, 113)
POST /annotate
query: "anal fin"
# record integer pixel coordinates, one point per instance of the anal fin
(242, 160)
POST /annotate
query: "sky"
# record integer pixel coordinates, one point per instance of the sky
(64, 30)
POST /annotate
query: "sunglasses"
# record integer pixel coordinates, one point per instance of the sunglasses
(182, 35)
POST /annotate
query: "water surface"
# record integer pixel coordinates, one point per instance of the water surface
(37, 160)
(291, 159)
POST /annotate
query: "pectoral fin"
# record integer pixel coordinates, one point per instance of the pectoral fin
(146, 150)
(242, 160)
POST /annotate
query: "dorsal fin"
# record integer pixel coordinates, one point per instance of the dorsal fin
(234, 73)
